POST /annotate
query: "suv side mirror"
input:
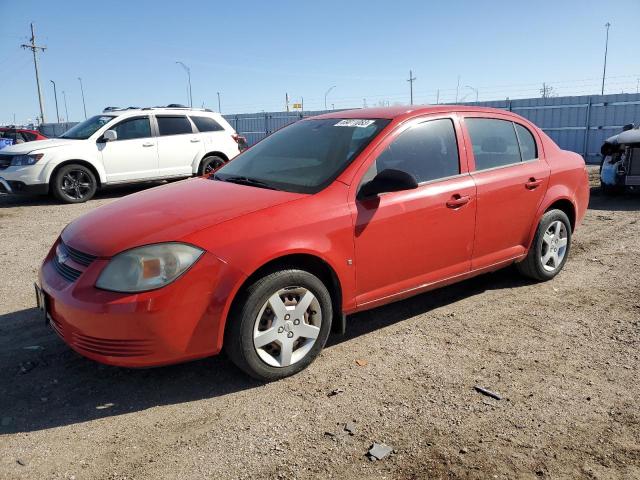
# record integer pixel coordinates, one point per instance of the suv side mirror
(110, 136)
(388, 180)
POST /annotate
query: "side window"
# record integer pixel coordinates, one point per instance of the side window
(206, 124)
(30, 137)
(428, 151)
(528, 148)
(133, 128)
(494, 142)
(174, 125)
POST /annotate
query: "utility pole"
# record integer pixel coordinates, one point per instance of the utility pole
(66, 111)
(286, 101)
(219, 109)
(83, 104)
(55, 95)
(34, 49)
(438, 97)
(458, 89)
(411, 80)
(188, 70)
(606, 47)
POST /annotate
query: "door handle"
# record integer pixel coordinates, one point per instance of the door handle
(195, 140)
(458, 201)
(148, 144)
(532, 183)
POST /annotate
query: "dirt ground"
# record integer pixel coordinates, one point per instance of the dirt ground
(564, 356)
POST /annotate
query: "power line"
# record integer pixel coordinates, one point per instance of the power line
(34, 49)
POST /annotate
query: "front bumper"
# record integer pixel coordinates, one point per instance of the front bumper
(12, 186)
(177, 323)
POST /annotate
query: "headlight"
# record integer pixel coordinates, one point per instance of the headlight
(24, 160)
(147, 268)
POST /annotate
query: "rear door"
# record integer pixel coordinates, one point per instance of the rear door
(133, 155)
(511, 178)
(214, 136)
(179, 145)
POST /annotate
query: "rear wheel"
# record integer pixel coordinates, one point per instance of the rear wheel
(74, 183)
(210, 164)
(279, 325)
(550, 247)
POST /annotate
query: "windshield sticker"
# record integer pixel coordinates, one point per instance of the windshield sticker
(354, 122)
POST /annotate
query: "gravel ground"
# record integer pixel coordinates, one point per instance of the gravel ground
(563, 355)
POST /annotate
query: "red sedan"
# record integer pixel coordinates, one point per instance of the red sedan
(20, 135)
(329, 216)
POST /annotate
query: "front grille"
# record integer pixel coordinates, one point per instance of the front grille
(5, 161)
(65, 271)
(111, 347)
(76, 255)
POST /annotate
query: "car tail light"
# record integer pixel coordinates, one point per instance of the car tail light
(241, 141)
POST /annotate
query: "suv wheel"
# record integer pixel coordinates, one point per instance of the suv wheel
(74, 184)
(280, 324)
(210, 164)
(550, 247)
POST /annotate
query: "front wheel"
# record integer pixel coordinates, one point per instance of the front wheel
(550, 247)
(74, 183)
(210, 164)
(279, 324)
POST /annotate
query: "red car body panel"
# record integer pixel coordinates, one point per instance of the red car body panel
(38, 135)
(380, 250)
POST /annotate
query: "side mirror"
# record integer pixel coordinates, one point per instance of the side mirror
(110, 136)
(388, 180)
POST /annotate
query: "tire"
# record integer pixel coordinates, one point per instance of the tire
(258, 317)
(209, 164)
(534, 265)
(73, 183)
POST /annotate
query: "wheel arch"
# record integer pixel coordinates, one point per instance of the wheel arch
(217, 153)
(99, 175)
(557, 197)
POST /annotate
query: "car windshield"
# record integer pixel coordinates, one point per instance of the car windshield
(85, 129)
(304, 157)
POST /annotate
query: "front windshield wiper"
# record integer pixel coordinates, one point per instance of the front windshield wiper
(245, 181)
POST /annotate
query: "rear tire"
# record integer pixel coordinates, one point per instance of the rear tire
(210, 164)
(550, 247)
(73, 183)
(286, 307)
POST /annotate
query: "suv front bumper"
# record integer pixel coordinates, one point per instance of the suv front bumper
(13, 186)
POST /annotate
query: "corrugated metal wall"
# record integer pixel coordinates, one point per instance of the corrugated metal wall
(580, 124)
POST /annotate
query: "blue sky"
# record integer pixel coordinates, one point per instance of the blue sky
(252, 52)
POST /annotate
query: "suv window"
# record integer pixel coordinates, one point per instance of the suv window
(528, 148)
(494, 142)
(428, 151)
(206, 124)
(133, 128)
(174, 125)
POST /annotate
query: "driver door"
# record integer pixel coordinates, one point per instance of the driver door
(134, 154)
(409, 239)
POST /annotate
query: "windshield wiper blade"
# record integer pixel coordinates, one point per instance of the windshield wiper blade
(252, 182)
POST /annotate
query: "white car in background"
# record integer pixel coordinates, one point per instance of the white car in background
(120, 146)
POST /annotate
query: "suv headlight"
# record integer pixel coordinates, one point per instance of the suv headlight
(24, 160)
(147, 268)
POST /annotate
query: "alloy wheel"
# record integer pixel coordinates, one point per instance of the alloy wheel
(212, 166)
(554, 246)
(76, 184)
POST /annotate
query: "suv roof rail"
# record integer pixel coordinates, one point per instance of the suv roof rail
(172, 106)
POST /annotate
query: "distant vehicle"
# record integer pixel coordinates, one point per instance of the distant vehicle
(15, 136)
(620, 167)
(329, 216)
(120, 146)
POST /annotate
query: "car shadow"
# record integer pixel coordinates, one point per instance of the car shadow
(45, 384)
(623, 202)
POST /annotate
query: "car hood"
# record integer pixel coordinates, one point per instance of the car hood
(27, 147)
(167, 213)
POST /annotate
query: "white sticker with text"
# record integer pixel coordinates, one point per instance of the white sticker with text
(354, 122)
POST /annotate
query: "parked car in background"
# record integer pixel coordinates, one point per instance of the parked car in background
(120, 146)
(326, 217)
(620, 167)
(14, 136)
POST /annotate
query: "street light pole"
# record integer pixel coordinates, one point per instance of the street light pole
(66, 111)
(606, 47)
(188, 70)
(219, 109)
(55, 95)
(474, 89)
(327, 93)
(83, 104)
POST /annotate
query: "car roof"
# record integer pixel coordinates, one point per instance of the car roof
(404, 111)
(163, 111)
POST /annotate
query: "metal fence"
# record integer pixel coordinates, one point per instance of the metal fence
(580, 124)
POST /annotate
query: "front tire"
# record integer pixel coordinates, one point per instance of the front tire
(550, 247)
(74, 183)
(279, 324)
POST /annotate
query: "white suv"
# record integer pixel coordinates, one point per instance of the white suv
(120, 146)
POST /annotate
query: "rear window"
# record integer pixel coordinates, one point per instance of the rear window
(527, 143)
(206, 124)
(177, 125)
(494, 142)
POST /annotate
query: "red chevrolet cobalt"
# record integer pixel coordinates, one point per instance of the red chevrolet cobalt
(329, 216)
